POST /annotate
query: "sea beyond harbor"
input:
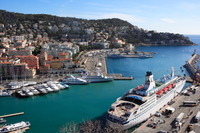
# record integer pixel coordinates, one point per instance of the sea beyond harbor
(50, 112)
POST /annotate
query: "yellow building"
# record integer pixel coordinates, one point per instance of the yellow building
(56, 63)
(61, 63)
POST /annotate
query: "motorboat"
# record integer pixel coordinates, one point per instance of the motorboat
(2, 120)
(27, 92)
(41, 89)
(140, 103)
(53, 86)
(14, 127)
(144, 56)
(21, 93)
(45, 86)
(4, 93)
(65, 85)
(33, 90)
(61, 87)
(31, 83)
(95, 78)
(14, 85)
(75, 81)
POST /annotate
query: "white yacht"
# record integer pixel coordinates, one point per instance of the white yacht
(65, 85)
(2, 120)
(21, 93)
(45, 86)
(14, 127)
(31, 83)
(41, 89)
(4, 93)
(32, 89)
(95, 78)
(14, 85)
(75, 81)
(144, 56)
(27, 92)
(61, 87)
(53, 86)
(137, 105)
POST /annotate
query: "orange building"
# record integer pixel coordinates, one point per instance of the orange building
(32, 61)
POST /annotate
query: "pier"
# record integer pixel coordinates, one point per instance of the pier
(21, 113)
(120, 77)
(90, 63)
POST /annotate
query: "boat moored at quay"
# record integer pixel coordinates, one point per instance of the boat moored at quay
(138, 104)
(7, 128)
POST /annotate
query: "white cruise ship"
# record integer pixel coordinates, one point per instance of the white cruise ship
(138, 104)
(98, 77)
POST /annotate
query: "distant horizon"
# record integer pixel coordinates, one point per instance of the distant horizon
(178, 17)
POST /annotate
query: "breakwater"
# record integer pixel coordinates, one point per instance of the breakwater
(191, 65)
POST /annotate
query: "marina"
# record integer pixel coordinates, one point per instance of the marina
(65, 102)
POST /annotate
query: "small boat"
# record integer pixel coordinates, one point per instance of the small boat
(14, 127)
(61, 87)
(21, 93)
(2, 120)
(96, 78)
(27, 92)
(144, 56)
(65, 85)
(45, 86)
(41, 89)
(4, 93)
(53, 86)
(32, 89)
(75, 81)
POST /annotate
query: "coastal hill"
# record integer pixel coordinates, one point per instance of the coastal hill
(70, 29)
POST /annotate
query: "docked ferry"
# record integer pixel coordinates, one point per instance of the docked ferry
(138, 104)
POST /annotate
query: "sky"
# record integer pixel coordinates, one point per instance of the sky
(174, 16)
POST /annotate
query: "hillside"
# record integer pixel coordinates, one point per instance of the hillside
(108, 29)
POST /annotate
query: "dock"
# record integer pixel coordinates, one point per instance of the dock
(92, 61)
(3, 116)
(120, 77)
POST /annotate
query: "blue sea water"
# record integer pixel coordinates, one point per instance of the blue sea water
(50, 112)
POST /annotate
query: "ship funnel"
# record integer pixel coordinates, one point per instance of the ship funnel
(172, 71)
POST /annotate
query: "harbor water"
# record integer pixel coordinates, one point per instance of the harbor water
(50, 112)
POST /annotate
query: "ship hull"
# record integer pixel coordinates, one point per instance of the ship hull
(150, 111)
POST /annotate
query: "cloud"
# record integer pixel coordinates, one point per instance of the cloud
(127, 17)
(94, 15)
(168, 20)
(64, 4)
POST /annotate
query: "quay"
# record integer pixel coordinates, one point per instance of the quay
(168, 124)
(90, 64)
(21, 113)
(120, 77)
